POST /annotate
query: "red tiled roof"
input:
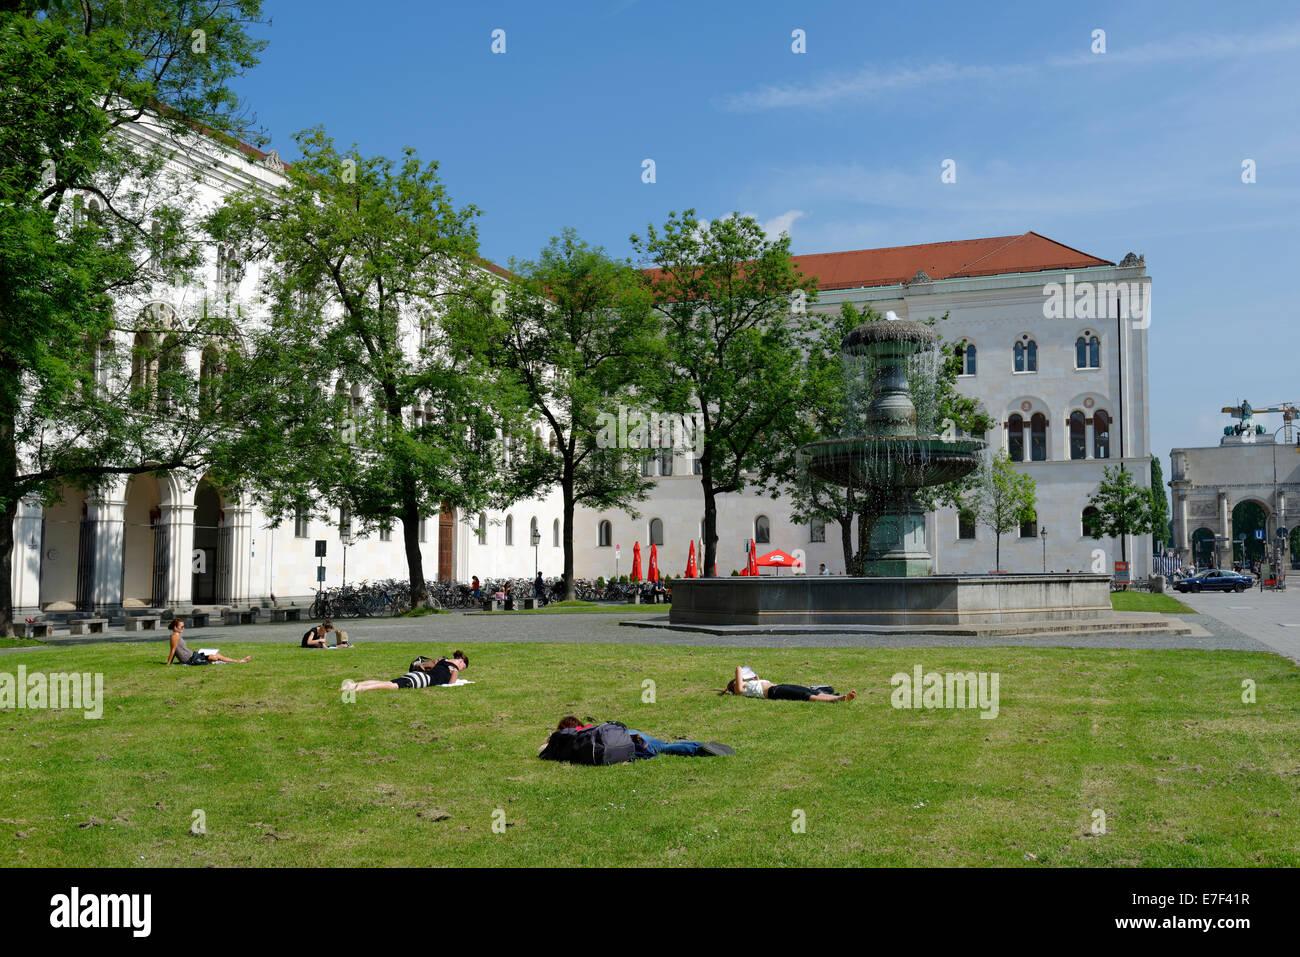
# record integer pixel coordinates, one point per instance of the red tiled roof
(955, 260)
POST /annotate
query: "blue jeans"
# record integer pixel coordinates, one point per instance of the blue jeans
(655, 747)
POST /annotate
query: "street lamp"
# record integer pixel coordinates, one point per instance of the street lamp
(348, 539)
(537, 540)
(1042, 533)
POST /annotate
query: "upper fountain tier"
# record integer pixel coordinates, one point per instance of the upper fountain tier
(892, 337)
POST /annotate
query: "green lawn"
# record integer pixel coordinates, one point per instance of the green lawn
(287, 773)
(20, 643)
(1144, 601)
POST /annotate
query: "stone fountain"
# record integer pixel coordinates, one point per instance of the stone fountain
(889, 463)
(889, 453)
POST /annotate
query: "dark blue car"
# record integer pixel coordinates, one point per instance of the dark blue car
(1215, 579)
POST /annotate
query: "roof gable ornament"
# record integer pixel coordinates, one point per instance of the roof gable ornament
(1133, 259)
(919, 277)
(276, 165)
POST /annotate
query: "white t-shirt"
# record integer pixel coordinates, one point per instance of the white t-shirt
(754, 688)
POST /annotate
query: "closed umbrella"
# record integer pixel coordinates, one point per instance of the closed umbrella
(691, 570)
(636, 562)
(751, 568)
(652, 572)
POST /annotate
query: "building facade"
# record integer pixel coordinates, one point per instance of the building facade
(1060, 367)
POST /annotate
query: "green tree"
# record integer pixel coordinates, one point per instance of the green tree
(1002, 498)
(574, 332)
(732, 306)
(92, 213)
(360, 253)
(1123, 508)
(1159, 507)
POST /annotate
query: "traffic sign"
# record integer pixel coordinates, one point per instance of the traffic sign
(1259, 534)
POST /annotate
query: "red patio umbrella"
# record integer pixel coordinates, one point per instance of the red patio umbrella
(751, 568)
(636, 562)
(691, 570)
(652, 572)
(777, 559)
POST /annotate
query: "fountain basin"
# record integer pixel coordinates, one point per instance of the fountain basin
(905, 462)
(910, 602)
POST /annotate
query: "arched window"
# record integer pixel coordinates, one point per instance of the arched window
(555, 533)
(605, 535)
(1026, 355)
(1038, 438)
(1081, 353)
(144, 362)
(510, 529)
(1088, 520)
(1078, 436)
(1094, 353)
(1087, 352)
(1016, 438)
(533, 535)
(1100, 434)
(209, 370)
(966, 524)
(482, 528)
(966, 358)
(762, 530)
(656, 531)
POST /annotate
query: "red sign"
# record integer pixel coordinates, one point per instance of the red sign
(1121, 571)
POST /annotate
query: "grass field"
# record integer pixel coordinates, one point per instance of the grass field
(1145, 601)
(287, 773)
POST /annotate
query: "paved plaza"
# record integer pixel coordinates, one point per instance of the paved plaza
(1247, 622)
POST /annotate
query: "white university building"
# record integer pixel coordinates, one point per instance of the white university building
(1054, 345)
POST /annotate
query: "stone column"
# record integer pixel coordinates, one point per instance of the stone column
(109, 518)
(1088, 434)
(1225, 529)
(1181, 525)
(179, 521)
(26, 580)
(241, 543)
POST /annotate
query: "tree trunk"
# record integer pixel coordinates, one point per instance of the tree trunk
(710, 528)
(867, 519)
(7, 516)
(411, 539)
(997, 550)
(566, 487)
(846, 541)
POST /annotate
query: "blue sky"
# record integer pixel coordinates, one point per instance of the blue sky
(1140, 148)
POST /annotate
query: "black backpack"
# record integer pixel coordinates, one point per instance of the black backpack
(607, 743)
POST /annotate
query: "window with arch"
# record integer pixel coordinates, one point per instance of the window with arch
(144, 362)
(656, 531)
(1087, 352)
(301, 523)
(966, 358)
(1101, 434)
(966, 524)
(1088, 520)
(555, 533)
(482, 528)
(209, 371)
(1078, 436)
(817, 532)
(1038, 438)
(1016, 438)
(1026, 355)
(604, 535)
(533, 534)
(762, 530)
(510, 529)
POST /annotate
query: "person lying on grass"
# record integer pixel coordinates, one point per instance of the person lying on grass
(184, 656)
(424, 673)
(752, 686)
(651, 747)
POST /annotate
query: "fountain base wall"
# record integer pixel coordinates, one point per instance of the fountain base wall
(933, 600)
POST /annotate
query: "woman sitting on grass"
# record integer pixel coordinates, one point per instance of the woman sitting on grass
(424, 673)
(184, 656)
(318, 637)
(756, 687)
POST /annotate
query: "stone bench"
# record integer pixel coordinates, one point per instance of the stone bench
(530, 604)
(241, 616)
(142, 622)
(34, 629)
(196, 619)
(286, 614)
(87, 626)
(492, 604)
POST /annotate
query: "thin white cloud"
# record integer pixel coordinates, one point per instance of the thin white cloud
(865, 83)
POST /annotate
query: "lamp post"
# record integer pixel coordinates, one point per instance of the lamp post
(348, 539)
(1042, 533)
(537, 540)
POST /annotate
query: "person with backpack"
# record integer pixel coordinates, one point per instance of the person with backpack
(612, 742)
(424, 673)
(318, 637)
(750, 685)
